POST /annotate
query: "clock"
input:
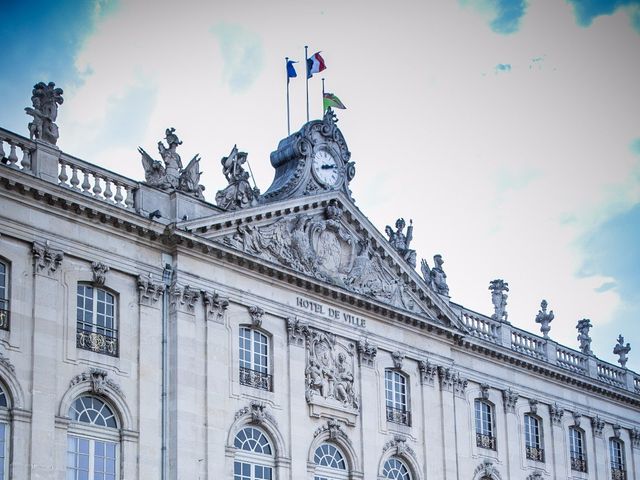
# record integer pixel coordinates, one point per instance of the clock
(325, 168)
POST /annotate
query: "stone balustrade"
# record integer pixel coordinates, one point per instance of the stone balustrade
(571, 360)
(611, 374)
(527, 343)
(481, 327)
(16, 151)
(96, 182)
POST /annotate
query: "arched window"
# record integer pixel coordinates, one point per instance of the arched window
(254, 458)
(485, 437)
(254, 359)
(395, 469)
(4, 296)
(616, 454)
(533, 438)
(93, 441)
(4, 434)
(397, 398)
(97, 326)
(577, 450)
(330, 463)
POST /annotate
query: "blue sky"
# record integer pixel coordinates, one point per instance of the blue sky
(508, 130)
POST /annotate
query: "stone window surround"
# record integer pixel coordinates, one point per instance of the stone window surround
(270, 354)
(406, 412)
(116, 316)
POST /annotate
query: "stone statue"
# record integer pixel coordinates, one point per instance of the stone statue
(45, 99)
(238, 193)
(498, 288)
(400, 241)
(622, 350)
(544, 319)
(171, 175)
(583, 327)
(435, 277)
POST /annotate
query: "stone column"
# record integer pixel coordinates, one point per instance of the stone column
(47, 334)
(512, 441)
(558, 445)
(150, 375)
(369, 415)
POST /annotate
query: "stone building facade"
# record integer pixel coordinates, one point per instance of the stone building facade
(146, 333)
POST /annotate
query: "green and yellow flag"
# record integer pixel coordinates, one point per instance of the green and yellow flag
(330, 100)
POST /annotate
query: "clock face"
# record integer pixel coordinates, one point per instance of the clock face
(325, 168)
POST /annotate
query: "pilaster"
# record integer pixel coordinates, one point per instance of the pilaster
(298, 332)
(369, 417)
(556, 412)
(512, 441)
(450, 457)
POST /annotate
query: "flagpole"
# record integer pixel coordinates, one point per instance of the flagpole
(323, 96)
(306, 63)
(286, 69)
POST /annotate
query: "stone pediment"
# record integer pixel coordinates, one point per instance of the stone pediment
(328, 239)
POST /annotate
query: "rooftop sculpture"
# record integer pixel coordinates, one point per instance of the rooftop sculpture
(400, 242)
(45, 99)
(583, 328)
(622, 351)
(544, 319)
(171, 175)
(498, 289)
(435, 277)
(238, 194)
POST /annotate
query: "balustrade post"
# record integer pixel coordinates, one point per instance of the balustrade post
(45, 161)
(26, 158)
(592, 366)
(551, 351)
(628, 377)
(505, 334)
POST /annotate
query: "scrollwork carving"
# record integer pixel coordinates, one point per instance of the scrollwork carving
(428, 372)
(215, 305)
(297, 331)
(366, 352)
(98, 381)
(148, 290)
(486, 470)
(399, 446)
(46, 258)
(334, 430)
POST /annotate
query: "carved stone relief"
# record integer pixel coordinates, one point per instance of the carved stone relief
(297, 331)
(334, 429)
(99, 271)
(256, 314)
(149, 291)
(533, 406)
(330, 371)
(183, 297)
(428, 372)
(486, 470)
(597, 425)
(366, 352)
(399, 446)
(257, 413)
(634, 433)
(98, 381)
(46, 258)
(214, 305)
(398, 359)
(576, 418)
(6, 363)
(320, 246)
(556, 412)
(510, 398)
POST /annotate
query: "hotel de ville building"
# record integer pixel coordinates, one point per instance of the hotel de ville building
(146, 333)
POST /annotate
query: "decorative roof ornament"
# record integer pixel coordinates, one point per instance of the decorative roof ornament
(498, 289)
(172, 176)
(45, 99)
(435, 277)
(238, 194)
(400, 242)
(622, 350)
(544, 319)
(583, 327)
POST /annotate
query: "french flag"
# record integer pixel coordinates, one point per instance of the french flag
(315, 64)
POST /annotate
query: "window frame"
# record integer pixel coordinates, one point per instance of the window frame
(325, 472)
(5, 420)
(5, 292)
(99, 338)
(533, 441)
(94, 434)
(617, 465)
(396, 396)
(251, 373)
(577, 449)
(252, 458)
(484, 422)
(395, 458)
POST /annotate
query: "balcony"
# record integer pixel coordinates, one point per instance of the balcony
(578, 463)
(398, 415)
(485, 441)
(98, 342)
(256, 379)
(536, 454)
(4, 314)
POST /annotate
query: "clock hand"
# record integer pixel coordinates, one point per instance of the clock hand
(327, 167)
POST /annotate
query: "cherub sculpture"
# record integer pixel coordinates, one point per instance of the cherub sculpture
(238, 194)
(45, 99)
(171, 175)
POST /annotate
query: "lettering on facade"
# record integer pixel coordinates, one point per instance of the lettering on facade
(329, 312)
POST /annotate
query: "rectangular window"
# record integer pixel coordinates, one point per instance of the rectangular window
(577, 451)
(90, 459)
(96, 320)
(254, 359)
(4, 297)
(484, 425)
(616, 452)
(533, 438)
(395, 386)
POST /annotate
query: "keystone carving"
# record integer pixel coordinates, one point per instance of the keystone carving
(98, 381)
(533, 406)
(99, 271)
(544, 319)
(4, 361)
(499, 296)
(616, 430)
(484, 391)
(510, 399)
(366, 352)
(214, 305)
(257, 412)
(597, 424)
(333, 428)
(535, 476)
(297, 331)
(428, 372)
(45, 99)
(398, 358)
(399, 446)
(148, 290)
(486, 470)
(634, 433)
(46, 258)
(330, 371)
(577, 417)
(256, 314)
(556, 412)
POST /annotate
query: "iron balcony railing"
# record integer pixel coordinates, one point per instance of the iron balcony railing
(578, 463)
(4, 314)
(98, 342)
(484, 440)
(618, 472)
(398, 415)
(256, 379)
(534, 453)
